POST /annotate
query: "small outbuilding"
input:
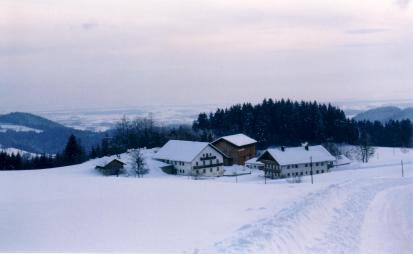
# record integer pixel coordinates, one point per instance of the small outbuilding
(114, 167)
(254, 164)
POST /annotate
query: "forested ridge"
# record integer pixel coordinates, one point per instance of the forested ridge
(286, 122)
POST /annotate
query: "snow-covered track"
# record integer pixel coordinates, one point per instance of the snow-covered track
(326, 221)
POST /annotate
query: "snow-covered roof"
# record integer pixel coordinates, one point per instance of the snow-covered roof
(299, 155)
(238, 139)
(180, 150)
(342, 160)
(254, 161)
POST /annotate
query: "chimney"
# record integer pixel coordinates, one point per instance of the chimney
(305, 145)
(282, 148)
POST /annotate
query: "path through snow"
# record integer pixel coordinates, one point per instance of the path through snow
(326, 221)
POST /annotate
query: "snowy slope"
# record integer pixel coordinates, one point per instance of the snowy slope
(17, 128)
(76, 209)
(16, 151)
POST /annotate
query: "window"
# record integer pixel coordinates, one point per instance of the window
(210, 170)
(301, 173)
(196, 163)
(203, 162)
(317, 171)
(203, 171)
(288, 174)
(322, 171)
(217, 161)
(306, 165)
(288, 167)
(217, 169)
(316, 163)
(197, 172)
(321, 163)
(296, 166)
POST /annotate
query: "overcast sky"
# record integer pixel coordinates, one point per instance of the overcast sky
(82, 53)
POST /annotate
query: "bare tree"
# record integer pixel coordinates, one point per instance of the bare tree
(138, 163)
(365, 150)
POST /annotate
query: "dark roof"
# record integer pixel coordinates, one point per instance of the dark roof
(116, 160)
(112, 161)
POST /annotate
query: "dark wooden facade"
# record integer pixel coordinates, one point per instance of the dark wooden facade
(237, 154)
(271, 166)
(112, 168)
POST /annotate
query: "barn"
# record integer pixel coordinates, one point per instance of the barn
(239, 148)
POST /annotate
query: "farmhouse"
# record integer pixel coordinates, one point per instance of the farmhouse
(192, 158)
(296, 161)
(239, 148)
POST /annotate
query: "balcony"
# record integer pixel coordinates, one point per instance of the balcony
(208, 158)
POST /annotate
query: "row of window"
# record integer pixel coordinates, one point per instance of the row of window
(272, 166)
(180, 163)
(306, 165)
(203, 162)
(304, 173)
(204, 171)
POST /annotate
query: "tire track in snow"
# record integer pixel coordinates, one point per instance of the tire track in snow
(326, 221)
(279, 232)
(343, 234)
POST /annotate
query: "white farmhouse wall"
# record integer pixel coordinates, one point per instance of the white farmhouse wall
(209, 168)
(302, 169)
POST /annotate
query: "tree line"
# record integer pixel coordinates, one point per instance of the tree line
(128, 134)
(289, 123)
(271, 122)
(72, 154)
(139, 133)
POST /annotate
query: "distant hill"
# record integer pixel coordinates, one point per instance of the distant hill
(384, 114)
(36, 134)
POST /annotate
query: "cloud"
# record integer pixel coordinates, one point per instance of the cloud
(367, 30)
(402, 3)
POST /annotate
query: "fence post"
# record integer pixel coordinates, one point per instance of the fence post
(311, 171)
(402, 169)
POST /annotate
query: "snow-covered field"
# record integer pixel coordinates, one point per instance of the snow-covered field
(17, 128)
(350, 210)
